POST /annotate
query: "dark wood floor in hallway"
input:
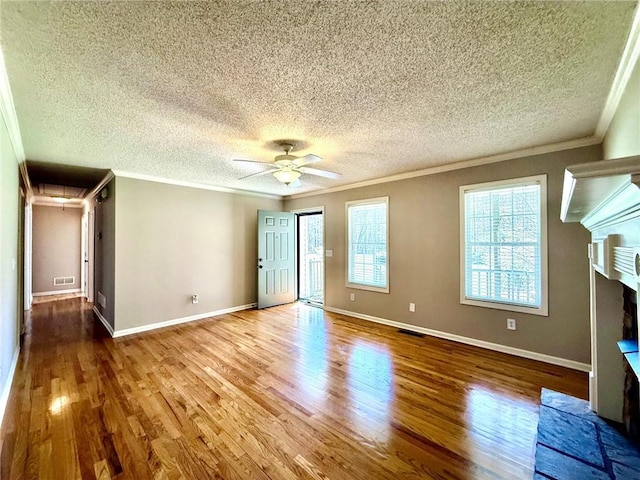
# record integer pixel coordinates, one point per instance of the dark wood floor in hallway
(285, 393)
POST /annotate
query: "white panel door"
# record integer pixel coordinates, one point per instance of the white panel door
(276, 258)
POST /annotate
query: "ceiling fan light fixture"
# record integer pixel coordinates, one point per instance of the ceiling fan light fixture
(286, 175)
(288, 168)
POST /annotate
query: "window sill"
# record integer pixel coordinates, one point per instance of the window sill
(367, 287)
(542, 311)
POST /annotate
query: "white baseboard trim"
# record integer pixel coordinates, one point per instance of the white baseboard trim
(541, 357)
(103, 320)
(6, 390)
(176, 321)
(57, 292)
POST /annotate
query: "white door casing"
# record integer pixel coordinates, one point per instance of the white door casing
(89, 260)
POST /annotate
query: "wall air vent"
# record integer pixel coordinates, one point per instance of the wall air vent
(411, 332)
(102, 300)
(59, 281)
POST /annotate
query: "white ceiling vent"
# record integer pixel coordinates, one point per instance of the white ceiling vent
(57, 281)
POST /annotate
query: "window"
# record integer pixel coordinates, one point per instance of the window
(503, 247)
(367, 244)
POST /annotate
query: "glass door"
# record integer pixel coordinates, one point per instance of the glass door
(311, 257)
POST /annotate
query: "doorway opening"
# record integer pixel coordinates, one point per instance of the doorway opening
(88, 252)
(311, 257)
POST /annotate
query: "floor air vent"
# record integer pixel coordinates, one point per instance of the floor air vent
(411, 332)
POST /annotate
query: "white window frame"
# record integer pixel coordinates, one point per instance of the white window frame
(361, 286)
(543, 309)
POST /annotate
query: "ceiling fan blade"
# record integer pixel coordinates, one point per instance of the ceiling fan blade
(307, 159)
(251, 161)
(270, 170)
(321, 173)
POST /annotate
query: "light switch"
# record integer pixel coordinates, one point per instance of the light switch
(328, 253)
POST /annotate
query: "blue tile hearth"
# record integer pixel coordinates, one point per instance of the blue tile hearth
(574, 443)
(552, 464)
(571, 435)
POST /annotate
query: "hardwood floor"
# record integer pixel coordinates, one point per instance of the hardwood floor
(285, 393)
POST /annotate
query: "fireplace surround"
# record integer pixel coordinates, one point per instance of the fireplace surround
(604, 197)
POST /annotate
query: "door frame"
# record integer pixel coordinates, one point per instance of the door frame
(28, 253)
(309, 211)
(88, 236)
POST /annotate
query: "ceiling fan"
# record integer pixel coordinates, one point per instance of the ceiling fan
(287, 168)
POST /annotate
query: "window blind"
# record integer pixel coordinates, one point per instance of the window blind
(503, 245)
(367, 244)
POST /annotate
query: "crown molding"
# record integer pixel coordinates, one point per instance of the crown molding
(25, 178)
(103, 183)
(8, 110)
(627, 63)
(474, 162)
(202, 186)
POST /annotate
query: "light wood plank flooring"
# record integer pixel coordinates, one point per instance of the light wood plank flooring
(285, 393)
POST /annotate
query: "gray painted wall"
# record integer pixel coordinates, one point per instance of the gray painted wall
(424, 259)
(623, 140)
(623, 137)
(10, 313)
(173, 242)
(104, 253)
(57, 250)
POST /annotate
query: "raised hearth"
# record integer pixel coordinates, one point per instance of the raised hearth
(575, 443)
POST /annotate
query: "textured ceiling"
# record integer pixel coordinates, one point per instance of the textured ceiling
(178, 90)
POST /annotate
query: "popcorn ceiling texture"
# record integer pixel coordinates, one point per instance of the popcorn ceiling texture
(178, 90)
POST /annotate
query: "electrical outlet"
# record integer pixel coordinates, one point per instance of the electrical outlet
(353, 297)
(412, 307)
(511, 323)
(194, 299)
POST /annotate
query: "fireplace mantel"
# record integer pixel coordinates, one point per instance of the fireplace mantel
(600, 193)
(605, 198)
